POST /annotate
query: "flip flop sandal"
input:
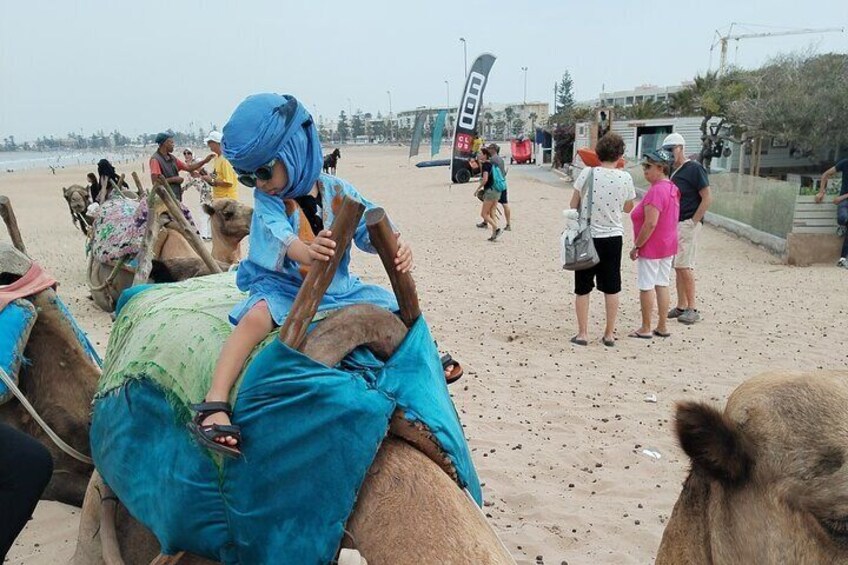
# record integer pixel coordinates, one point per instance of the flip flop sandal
(640, 336)
(453, 370)
(661, 334)
(207, 435)
(608, 342)
(576, 341)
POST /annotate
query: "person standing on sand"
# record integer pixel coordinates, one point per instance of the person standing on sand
(223, 179)
(201, 219)
(165, 167)
(497, 160)
(655, 241)
(490, 195)
(841, 202)
(691, 179)
(612, 193)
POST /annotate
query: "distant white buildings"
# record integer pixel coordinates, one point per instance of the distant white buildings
(643, 93)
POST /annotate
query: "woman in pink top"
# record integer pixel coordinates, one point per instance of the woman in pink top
(655, 241)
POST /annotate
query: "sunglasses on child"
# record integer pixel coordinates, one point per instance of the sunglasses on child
(263, 173)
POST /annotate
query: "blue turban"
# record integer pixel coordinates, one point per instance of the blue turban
(274, 126)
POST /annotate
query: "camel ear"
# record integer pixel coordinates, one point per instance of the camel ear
(208, 209)
(65, 191)
(713, 442)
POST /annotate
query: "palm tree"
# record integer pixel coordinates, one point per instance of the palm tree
(509, 113)
(489, 117)
(533, 116)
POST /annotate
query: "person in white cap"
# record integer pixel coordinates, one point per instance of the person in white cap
(695, 198)
(223, 179)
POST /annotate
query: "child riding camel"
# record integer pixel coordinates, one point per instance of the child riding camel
(273, 145)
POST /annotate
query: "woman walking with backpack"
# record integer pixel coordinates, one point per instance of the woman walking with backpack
(612, 192)
(490, 194)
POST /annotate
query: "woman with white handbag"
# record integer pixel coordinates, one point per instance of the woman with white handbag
(602, 194)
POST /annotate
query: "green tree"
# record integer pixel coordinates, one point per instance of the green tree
(509, 114)
(342, 127)
(794, 97)
(565, 94)
(357, 124)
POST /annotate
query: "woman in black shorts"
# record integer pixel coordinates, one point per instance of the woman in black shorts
(612, 193)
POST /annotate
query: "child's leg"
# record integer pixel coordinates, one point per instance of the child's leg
(251, 330)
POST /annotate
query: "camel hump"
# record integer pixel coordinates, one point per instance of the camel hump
(13, 261)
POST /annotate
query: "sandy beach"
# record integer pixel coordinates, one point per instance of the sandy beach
(557, 431)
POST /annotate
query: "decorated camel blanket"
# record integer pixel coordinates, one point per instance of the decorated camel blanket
(118, 229)
(310, 432)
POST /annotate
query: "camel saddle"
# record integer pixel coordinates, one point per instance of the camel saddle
(311, 432)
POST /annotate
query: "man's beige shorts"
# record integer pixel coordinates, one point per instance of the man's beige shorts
(688, 234)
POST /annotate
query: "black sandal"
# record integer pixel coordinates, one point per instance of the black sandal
(455, 373)
(207, 435)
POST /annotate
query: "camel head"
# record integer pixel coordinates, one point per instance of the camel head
(77, 197)
(230, 224)
(769, 480)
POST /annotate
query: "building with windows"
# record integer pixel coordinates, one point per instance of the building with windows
(643, 93)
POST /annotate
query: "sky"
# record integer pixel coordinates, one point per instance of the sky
(145, 66)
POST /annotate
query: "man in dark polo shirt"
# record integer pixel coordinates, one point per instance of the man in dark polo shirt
(695, 198)
(841, 202)
(164, 166)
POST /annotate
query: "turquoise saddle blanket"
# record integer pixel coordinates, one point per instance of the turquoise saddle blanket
(310, 432)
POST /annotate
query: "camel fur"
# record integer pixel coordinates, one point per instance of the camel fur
(59, 381)
(768, 482)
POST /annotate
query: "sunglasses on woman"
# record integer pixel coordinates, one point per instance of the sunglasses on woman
(263, 173)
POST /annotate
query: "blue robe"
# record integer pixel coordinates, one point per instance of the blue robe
(269, 275)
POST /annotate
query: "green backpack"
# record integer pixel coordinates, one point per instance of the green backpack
(499, 182)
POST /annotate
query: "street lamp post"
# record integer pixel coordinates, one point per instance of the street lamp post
(464, 56)
(389, 92)
(447, 86)
(525, 84)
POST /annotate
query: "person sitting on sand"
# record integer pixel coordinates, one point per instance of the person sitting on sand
(109, 179)
(272, 143)
(655, 241)
(93, 186)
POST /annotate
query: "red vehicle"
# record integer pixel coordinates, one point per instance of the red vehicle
(522, 151)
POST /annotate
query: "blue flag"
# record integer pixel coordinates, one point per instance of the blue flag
(438, 132)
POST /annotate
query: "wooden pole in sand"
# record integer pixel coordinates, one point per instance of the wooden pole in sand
(12, 224)
(139, 188)
(185, 228)
(155, 221)
(293, 331)
(384, 241)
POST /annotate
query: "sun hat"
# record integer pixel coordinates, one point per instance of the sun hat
(214, 136)
(673, 139)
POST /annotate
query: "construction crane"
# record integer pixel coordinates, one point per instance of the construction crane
(724, 39)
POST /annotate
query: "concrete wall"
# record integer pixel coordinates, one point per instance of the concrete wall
(804, 249)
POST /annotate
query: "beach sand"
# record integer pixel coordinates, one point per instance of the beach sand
(557, 431)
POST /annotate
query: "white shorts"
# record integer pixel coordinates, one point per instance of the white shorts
(653, 272)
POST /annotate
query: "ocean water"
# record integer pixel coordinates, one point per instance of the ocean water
(11, 161)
